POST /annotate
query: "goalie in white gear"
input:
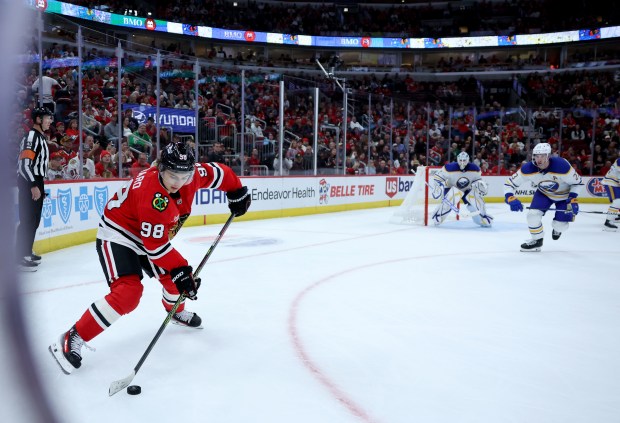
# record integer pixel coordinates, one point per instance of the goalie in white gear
(612, 186)
(464, 177)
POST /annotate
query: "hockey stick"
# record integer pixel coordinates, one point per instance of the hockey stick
(121, 384)
(568, 211)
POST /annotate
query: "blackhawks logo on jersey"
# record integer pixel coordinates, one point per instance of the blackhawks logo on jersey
(159, 202)
(177, 226)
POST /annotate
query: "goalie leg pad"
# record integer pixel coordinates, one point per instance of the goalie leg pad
(480, 217)
(480, 187)
(440, 213)
(477, 207)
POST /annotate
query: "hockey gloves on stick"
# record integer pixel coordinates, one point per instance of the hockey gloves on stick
(185, 282)
(572, 206)
(514, 203)
(239, 201)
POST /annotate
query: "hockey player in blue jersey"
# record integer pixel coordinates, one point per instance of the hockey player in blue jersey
(465, 177)
(556, 182)
(612, 186)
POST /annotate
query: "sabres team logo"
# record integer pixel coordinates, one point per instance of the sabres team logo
(462, 183)
(548, 187)
(160, 203)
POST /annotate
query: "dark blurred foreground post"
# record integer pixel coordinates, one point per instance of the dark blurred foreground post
(21, 398)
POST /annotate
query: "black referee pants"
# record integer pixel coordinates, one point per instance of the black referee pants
(29, 216)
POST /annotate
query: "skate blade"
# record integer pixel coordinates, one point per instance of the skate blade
(27, 269)
(532, 250)
(606, 229)
(174, 322)
(64, 364)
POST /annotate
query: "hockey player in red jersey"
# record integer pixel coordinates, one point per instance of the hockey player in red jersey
(134, 237)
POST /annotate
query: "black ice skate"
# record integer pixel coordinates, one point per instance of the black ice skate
(26, 265)
(610, 226)
(188, 319)
(533, 245)
(34, 258)
(68, 351)
(555, 235)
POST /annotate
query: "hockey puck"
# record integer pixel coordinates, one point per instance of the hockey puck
(134, 390)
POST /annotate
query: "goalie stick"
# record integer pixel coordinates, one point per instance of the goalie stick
(121, 384)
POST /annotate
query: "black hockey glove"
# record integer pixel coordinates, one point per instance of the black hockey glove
(239, 201)
(185, 281)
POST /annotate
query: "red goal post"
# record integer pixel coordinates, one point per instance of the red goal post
(419, 204)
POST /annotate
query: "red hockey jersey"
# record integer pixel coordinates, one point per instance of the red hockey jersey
(143, 216)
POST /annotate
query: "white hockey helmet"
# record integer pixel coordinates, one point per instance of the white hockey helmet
(542, 148)
(462, 159)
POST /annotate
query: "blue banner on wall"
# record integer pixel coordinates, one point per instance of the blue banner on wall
(181, 120)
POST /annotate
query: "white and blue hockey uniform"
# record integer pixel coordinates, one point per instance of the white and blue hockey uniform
(557, 184)
(612, 186)
(469, 182)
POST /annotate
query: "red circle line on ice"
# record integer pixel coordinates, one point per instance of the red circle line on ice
(355, 409)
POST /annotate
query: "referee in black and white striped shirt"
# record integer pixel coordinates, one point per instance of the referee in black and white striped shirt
(32, 169)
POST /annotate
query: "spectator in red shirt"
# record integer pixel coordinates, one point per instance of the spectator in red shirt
(499, 169)
(140, 165)
(151, 128)
(105, 168)
(66, 150)
(603, 170)
(254, 159)
(484, 169)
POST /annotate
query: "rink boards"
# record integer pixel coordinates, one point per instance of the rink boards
(71, 210)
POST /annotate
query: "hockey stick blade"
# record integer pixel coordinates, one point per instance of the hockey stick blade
(121, 384)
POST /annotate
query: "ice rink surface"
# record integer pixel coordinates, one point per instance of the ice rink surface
(345, 317)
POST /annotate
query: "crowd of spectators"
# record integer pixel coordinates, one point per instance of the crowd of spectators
(409, 122)
(420, 20)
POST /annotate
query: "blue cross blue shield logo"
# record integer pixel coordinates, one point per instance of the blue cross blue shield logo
(64, 204)
(83, 203)
(101, 199)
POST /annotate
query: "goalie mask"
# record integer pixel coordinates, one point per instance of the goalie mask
(463, 160)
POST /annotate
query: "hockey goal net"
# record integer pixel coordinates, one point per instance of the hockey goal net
(418, 206)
